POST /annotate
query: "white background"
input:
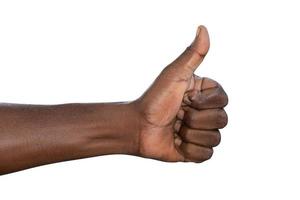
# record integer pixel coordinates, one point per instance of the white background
(94, 51)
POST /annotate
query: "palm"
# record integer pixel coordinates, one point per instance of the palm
(161, 123)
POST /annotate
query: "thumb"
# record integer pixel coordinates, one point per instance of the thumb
(174, 79)
(191, 58)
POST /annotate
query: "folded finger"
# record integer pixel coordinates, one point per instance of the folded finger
(207, 119)
(195, 153)
(206, 138)
(209, 98)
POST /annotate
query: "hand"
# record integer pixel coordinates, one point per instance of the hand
(181, 112)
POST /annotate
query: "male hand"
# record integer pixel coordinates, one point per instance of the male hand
(181, 112)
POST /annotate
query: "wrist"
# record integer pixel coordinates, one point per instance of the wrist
(116, 130)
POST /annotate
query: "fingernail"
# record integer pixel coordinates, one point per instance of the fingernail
(198, 31)
(197, 35)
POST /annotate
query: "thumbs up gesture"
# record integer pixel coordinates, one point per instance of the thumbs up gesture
(180, 113)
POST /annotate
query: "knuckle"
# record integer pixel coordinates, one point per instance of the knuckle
(221, 118)
(208, 154)
(223, 98)
(215, 139)
(220, 98)
(209, 83)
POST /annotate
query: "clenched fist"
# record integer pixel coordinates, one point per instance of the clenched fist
(180, 113)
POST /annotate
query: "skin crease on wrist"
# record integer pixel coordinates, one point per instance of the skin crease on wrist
(176, 119)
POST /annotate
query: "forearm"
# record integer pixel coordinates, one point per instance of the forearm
(33, 135)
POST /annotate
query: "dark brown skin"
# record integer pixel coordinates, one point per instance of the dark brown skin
(176, 119)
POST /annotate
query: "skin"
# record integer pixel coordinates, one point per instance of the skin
(177, 119)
